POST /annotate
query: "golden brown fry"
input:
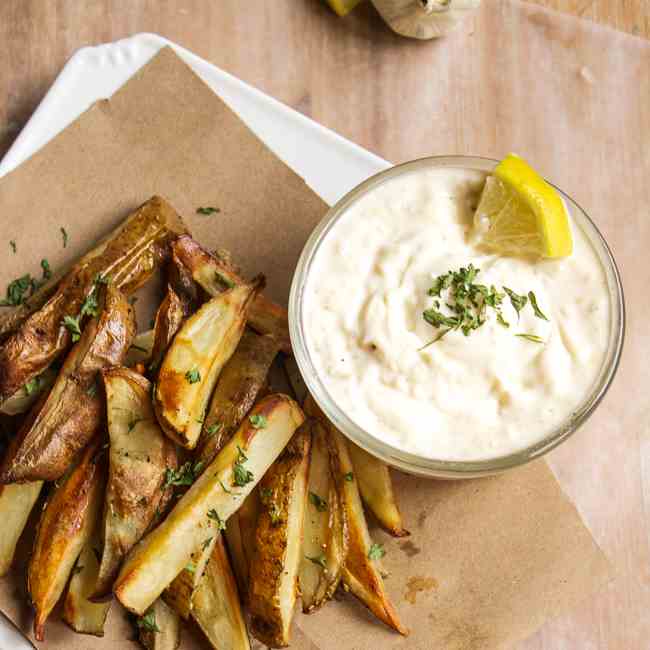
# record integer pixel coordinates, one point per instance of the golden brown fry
(325, 539)
(361, 574)
(210, 273)
(66, 525)
(204, 508)
(24, 398)
(273, 580)
(237, 389)
(376, 489)
(16, 503)
(194, 360)
(139, 458)
(162, 628)
(81, 614)
(169, 318)
(216, 607)
(128, 257)
(72, 413)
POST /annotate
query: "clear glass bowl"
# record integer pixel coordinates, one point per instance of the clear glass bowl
(399, 458)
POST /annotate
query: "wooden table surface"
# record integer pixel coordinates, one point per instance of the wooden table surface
(38, 36)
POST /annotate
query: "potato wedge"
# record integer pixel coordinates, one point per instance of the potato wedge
(140, 455)
(325, 536)
(160, 628)
(238, 558)
(237, 389)
(273, 580)
(181, 281)
(169, 318)
(81, 614)
(72, 412)
(161, 555)
(140, 350)
(16, 503)
(129, 257)
(216, 607)
(361, 574)
(66, 525)
(24, 398)
(376, 489)
(193, 362)
(213, 276)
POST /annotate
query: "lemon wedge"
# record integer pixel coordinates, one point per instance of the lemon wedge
(343, 7)
(521, 214)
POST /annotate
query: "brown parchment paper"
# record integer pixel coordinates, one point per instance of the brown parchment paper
(488, 561)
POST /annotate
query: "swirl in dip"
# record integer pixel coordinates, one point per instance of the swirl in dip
(462, 398)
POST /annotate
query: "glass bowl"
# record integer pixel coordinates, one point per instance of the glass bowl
(394, 456)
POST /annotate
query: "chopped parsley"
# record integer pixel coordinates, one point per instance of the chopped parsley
(533, 303)
(211, 429)
(226, 281)
(466, 303)
(518, 302)
(274, 513)
(266, 493)
(207, 210)
(12, 243)
(190, 567)
(258, 421)
(318, 502)
(148, 622)
(206, 543)
(349, 477)
(214, 515)
(47, 271)
(241, 475)
(64, 236)
(18, 291)
(376, 552)
(321, 560)
(224, 488)
(89, 307)
(33, 385)
(193, 376)
(134, 423)
(531, 337)
(186, 474)
(72, 324)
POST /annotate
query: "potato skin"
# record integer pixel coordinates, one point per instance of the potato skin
(68, 419)
(169, 318)
(271, 564)
(129, 257)
(66, 524)
(238, 387)
(135, 483)
(265, 317)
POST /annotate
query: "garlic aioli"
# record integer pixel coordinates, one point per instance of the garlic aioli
(462, 398)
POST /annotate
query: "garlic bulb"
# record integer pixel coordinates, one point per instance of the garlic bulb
(423, 19)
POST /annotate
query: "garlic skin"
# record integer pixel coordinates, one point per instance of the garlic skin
(424, 19)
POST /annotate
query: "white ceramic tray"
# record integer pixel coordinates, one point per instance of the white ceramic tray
(330, 164)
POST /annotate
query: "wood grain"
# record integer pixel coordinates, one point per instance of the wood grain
(356, 77)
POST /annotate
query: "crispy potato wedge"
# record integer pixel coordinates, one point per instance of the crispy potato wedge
(191, 367)
(376, 489)
(325, 536)
(216, 607)
(361, 574)
(237, 389)
(273, 579)
(80, 613)
(181, 281)
(213, 276)
(140, 350)
(16, 503)
(160, 629)
(140, 455)
(129, 257)
(161, 555)
(169, 318)
(24, 398)
(373, 479)
(72, 412)
(66, 525)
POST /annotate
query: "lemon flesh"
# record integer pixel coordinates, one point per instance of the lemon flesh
(343, 7)
(521, 214)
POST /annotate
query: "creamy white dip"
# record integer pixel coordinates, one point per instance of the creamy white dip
(464, 397)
